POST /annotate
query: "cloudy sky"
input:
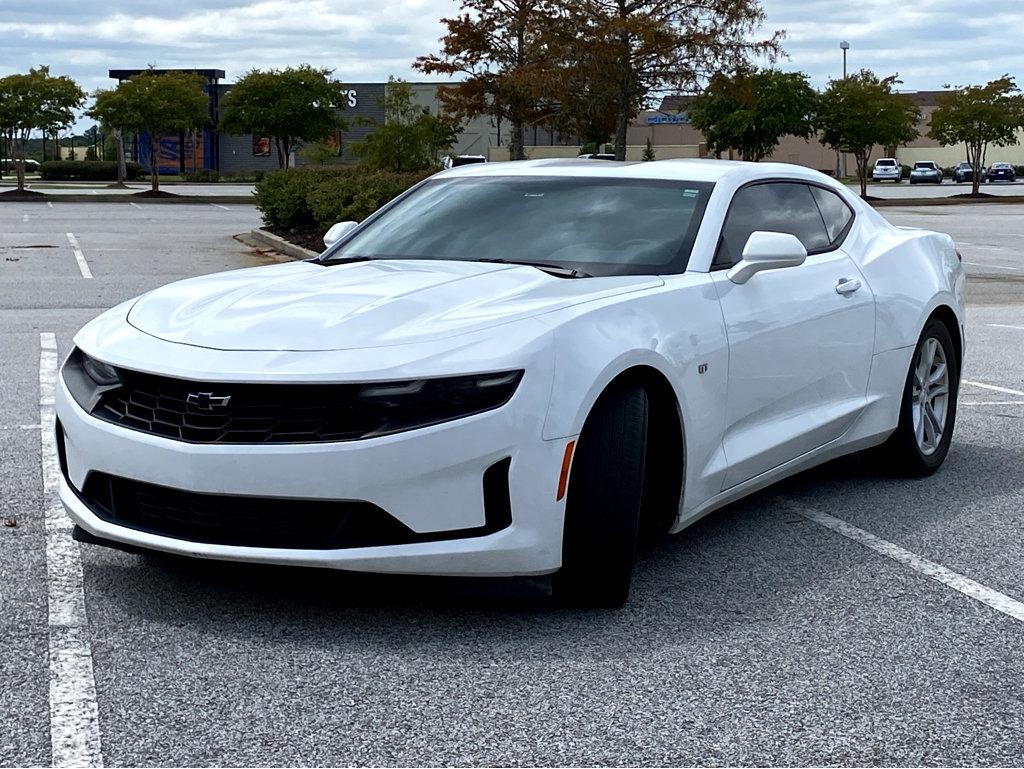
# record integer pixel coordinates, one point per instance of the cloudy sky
(928, 42)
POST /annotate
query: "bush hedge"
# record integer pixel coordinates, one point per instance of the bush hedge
(86, 170)
(303, 199)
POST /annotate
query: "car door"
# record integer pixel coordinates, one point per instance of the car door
(800, 338)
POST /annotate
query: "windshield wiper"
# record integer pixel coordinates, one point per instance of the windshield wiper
(345, 260)
(552, 269)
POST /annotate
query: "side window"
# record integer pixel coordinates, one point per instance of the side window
(834, 211)
(773, 207)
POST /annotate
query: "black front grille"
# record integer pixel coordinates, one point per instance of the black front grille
(272, 522)
(252, 413)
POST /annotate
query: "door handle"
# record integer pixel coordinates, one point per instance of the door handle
(847, 286)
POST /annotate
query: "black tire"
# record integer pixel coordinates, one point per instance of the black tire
(602, 510)
(901, 454)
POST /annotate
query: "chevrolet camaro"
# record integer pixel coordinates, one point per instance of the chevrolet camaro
(516, 369)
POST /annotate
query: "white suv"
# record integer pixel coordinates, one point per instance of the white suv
(887, 170)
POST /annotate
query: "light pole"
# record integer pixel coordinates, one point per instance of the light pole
(845, 46)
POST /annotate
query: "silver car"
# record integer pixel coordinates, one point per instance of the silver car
(887, 170)
(926, 172)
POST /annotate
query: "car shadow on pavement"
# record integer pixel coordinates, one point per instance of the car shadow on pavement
(751, 562)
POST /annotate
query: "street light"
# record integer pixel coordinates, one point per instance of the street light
(845, 46)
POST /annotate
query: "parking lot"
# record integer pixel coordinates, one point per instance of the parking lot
(765, 634)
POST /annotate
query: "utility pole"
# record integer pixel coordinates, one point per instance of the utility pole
(845, 46)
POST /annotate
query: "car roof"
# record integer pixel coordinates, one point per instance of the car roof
(691, 170)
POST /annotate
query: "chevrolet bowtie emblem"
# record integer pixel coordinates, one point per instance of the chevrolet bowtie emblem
(208, 401)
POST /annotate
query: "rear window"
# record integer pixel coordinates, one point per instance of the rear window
(928, 166)
(885, 163)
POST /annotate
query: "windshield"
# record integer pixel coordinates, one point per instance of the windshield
(594, 225)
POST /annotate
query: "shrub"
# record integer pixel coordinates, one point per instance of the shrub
(202, 175)
(316, 198)
(86, 170)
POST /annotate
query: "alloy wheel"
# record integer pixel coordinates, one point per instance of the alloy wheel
(930, 396)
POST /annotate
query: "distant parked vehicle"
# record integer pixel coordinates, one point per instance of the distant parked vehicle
(463, 160)
(925, 172)
(964, 172)
(10, 165)
(887, 170)
(1001, 172)
(596, 156)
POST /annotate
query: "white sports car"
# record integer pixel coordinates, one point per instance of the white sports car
(516, 369)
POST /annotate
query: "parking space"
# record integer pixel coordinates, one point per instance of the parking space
(758, 636)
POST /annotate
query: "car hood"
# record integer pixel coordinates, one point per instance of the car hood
(304, 306)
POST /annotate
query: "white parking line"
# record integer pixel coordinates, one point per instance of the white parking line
(218, 205)
(74, 716)
(960, 583)
(134, 205)
(993, 266)
(991, 403)
(49, 204)
(24, 218)
(995, 388)
(1003, 325)
(83, 266)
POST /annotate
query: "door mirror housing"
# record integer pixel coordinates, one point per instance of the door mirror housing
(337, 232)
(767, 251)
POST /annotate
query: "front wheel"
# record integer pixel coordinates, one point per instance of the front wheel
(602, 511)
(921, 441)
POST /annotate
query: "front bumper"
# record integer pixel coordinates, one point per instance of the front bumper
(428, 479)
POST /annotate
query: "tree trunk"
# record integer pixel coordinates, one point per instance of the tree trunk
(516, 151)
(623, 99)
(154, 156)
(280, 153)
(974, 156)
(122, 167)
(862, 172)
(19, 161)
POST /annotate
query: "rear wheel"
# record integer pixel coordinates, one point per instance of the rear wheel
(602, 511)
(928, 413)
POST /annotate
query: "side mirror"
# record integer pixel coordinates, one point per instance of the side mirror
(767, 251)
(337, 232)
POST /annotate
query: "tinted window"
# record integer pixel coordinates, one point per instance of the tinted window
(885, 163)
(598, 225)
(834, 211)
(774, 207)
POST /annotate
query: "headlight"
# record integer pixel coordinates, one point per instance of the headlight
(87, 378)
(422, 402)
(101, 373)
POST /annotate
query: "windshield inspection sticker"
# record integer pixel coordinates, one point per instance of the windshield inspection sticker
(690, 193)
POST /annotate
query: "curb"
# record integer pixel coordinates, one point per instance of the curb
(129, 198)
(995, 199)
(281, 245)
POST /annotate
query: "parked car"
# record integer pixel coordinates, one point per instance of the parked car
(964, 172)
(596, 156)
(1001, 172)
(463, 160)
(516, 371)
(887, 170)
(925, 172)
(10, 165)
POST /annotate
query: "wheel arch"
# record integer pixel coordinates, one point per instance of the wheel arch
(947, 316)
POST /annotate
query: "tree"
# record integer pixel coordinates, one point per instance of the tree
(859, 112)
(318, 153)
(291, 106)
(156, 104)
(648, 151)
(647, 46)
(35, 100)
(979, 116)
(502, 49)
(750, 111)
(411, 138)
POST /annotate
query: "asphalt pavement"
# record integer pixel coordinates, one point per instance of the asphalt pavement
(759, 636)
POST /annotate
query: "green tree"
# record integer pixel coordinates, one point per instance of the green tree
(648, 151)
(157, 104)
(291, 106)
(410, 139)
(35, 100)
(749, 111)
(643, 47)
(859, 112)
(502, 50)
(318, 153)
(978, 116)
